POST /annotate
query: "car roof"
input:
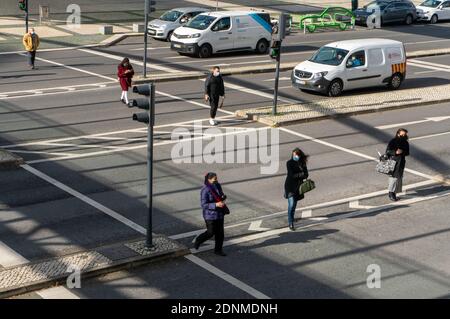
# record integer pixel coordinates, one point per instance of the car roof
(189, 9)
(363, 43)
(231, 13)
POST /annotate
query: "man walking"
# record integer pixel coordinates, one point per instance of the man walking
(31, 44)
(214, 90)
(397, 149)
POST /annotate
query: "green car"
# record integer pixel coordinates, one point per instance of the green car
(331, 17)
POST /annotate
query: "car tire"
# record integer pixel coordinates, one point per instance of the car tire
(205, 51)
(409, 19)
(169, 35)
(262, 46)
(395, 81)
(434, 19)
(335, 88)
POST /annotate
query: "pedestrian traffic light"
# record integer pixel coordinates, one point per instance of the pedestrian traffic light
(23, 5)
(145, 104)
(275, 49)
(149, 6)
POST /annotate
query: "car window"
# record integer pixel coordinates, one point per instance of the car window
(446, 4)
(201, 22)
(222, 25)
(356, 59)
(265, 16)
(329, 56)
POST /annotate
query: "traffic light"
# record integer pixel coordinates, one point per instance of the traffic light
(275, 49)
(23, 5)
(149, 6)
(146, 104)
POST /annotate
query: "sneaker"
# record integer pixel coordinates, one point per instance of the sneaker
(220, 253)
(123, 101)
(212, 122)
(291, 227)
(196, 244)
(392, 197)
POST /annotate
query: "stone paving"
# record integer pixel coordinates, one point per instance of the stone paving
(294, 113)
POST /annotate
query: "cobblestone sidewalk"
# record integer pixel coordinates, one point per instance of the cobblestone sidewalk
(329, 107)
(46, 273)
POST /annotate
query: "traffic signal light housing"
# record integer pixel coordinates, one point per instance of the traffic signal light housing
(23, 5)
(275, 49)
(149, 6)
(148, 103)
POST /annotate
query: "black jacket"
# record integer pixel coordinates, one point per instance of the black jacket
(297, 172)
(214, 86)
(394, 144)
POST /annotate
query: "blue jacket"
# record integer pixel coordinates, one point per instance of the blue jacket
(210, 211)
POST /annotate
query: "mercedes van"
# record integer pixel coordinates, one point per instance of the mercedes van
(352, 64)
(227, 31)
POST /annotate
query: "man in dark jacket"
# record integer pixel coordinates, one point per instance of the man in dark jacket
(297, 172)
(398, 149)
(214, 209)
(214, 90)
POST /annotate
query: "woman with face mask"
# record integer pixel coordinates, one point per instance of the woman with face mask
(125, 74)
(214, 209)
(214, 90)
(297, 172)
(397, 149)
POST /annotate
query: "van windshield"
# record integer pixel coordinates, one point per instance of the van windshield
(200, 22)
(329, 55)
(171, 16)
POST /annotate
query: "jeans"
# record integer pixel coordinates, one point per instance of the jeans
(292, 205)
(31, 57)
(213, 228)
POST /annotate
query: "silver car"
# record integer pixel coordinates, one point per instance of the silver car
(163, 27)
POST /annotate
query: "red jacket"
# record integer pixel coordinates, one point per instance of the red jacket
(125, 78)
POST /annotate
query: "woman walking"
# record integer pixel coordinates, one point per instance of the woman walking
(214, 210)
(297, 172)
(397, 149)
(125, 74)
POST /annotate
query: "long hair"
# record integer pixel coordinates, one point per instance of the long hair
(401, 130)
(208, 176)
(303, 157)
(126, 60)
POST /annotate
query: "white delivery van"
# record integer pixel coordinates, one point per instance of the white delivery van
(352, 64)
(227, 31)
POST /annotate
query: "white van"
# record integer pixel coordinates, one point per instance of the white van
(352, 64)
(217, 32)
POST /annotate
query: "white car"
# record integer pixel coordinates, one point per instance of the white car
(352, 64)
(434, 10)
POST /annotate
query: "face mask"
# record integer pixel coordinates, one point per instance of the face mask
(216, 73)
(296, 158)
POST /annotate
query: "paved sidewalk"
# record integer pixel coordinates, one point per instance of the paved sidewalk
(345, 105)
(101, 260)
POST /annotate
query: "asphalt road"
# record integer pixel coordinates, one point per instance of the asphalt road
(70, 126)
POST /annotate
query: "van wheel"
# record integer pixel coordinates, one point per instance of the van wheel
(335, 88)
(262, 46)
(434, 19)
(169, 35)
(409, 19)
(395, 81)
(205, 51)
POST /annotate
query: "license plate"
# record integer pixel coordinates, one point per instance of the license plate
(152, 32)
(301, 82)
(177, 46)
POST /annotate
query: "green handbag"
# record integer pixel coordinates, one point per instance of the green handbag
(307, 186)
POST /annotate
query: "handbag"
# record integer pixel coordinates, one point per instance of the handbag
(386, 165)
(225, 210)
(306, 186)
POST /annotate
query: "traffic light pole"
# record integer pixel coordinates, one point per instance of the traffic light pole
(26, 16)
(151, 113)
(277, 80)
(147, 6)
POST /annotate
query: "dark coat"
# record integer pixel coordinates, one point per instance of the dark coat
(125, 79)
(208, 202)
(297, 172)
(394, 144)
(214, 87)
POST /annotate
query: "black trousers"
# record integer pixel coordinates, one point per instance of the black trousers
(214, 103)
(213, 228)
(31, 57)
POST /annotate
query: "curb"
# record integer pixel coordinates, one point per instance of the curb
(122, 264)
(9, 160)
(118, 38)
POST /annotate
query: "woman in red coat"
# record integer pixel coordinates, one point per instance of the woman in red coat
(125, 73)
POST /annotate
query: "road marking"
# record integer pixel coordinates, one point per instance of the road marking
(234, 281)
(428, 119)
(59, 292)
(52, 50)
(150, 49)
(42, 152)
(85, 199)
(428, 136)
(281, 79)
(256, 226)
(429, 67)
(10, 258)
(430, 63)
(306, 213)
(423, 42)
(355, 205)
(256, 92)
(120, 58)
(312, 139)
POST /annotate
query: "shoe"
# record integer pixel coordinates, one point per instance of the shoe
(291, 227)
(212, 122)
(220, 253)
(392, 197)
(196, 243)
(123, 101)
